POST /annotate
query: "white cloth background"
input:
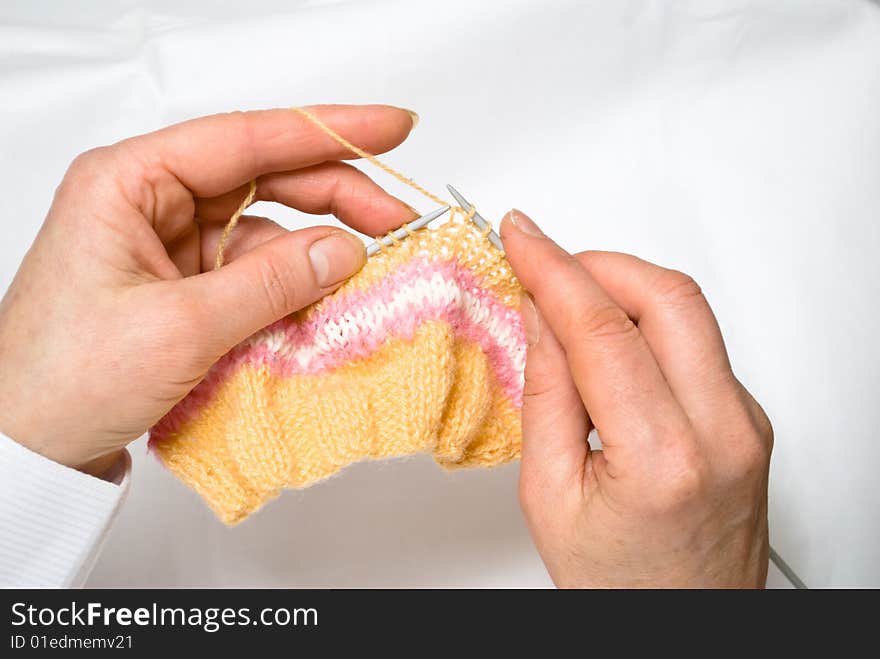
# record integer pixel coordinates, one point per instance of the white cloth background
(736, 140)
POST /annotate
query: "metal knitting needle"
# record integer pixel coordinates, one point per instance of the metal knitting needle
(405, 230)
(477, 219)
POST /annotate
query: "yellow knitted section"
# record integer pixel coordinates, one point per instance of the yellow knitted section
(435, 392)
(262, 433)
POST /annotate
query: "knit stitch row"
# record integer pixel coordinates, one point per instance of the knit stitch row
(423, 350)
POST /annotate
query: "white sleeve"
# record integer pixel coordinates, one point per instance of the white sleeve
(53, 519)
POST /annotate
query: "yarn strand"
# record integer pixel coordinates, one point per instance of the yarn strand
(368, 156)
(233, 221)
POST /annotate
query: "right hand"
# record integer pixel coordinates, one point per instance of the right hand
(678, 495)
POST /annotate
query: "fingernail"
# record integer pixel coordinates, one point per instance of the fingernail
(413, 115)
(531, 324)
(524, 223)
(336, 257)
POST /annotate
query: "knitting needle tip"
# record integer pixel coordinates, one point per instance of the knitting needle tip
(405, 230)
(476, 218)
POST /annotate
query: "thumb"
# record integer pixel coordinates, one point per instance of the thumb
(280, 276)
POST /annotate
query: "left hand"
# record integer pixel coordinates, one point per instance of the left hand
(115, 313)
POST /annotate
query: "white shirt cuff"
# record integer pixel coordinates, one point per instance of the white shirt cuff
(53, 519)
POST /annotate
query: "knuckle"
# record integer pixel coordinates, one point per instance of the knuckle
(86, 174)
(86, 169)
(686, 480)
(751, 455)
(278, 287)
(590, 257)
(752, 459)
(605, 321)
(540, 380)
(753, 444)
(88, 160)
(769, 438)
(677, 288)
(763, 425)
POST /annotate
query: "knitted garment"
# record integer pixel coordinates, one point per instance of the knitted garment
(422, 350)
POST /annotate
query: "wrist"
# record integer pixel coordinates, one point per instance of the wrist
(47, 444)
(108, 467)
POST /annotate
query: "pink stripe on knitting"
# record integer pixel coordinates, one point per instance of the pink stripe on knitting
(404, 323)
(369, 336)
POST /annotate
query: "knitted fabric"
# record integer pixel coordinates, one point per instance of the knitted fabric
(422, 351)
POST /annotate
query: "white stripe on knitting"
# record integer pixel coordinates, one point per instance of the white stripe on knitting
(434, 291)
